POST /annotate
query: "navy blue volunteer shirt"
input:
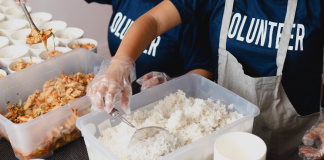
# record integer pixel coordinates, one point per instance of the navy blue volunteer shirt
(254, 36)
(178, 51)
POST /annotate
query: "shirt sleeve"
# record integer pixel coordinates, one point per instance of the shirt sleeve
(193, 11)
(195, 48)
(100, 1)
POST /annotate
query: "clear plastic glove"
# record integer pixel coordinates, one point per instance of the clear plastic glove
(113, 83)
(18, 2)
(313, 141)
(152, 79)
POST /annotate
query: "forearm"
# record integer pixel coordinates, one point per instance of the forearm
(146, 28)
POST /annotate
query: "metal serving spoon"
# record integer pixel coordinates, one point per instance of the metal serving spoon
(31, 22)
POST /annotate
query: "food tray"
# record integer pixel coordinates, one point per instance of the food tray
(34, 139)
(194, 86)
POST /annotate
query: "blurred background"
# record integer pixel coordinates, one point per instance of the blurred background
(92, 18)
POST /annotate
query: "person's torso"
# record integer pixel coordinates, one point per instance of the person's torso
(254, 37)
(161, 55)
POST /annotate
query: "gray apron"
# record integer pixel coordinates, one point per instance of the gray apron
(278, 124)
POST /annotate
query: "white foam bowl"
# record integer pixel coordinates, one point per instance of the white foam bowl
(3, 72)
(19, 37)
(2, 17)
(25, 60)
(11, 53)
(38, 48)
(84, 41)
(239, 146)
(41, 17)
(54, 25)
(6, 4)
(44, 55)
(15, 13)
(69, 34)
(4, 41)
(10, 26)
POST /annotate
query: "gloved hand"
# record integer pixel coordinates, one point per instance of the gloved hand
(314, 135)
(113, 83)
(18, 2)
(152, 79)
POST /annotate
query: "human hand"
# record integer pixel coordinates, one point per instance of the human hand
(18, 2)
(113, 83)
(315, 135)
(152, 79)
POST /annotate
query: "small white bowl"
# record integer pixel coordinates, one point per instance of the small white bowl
(4, 5)
(4, 42)
(10, 26)
(11, 53)
(44, 55)
(38, 48)
(69, 34)
(2, 17)
(15, 13)
(54, 25)
(3, 72)
(84, 41)
(19, 37)
(25, 60)
(41, 17)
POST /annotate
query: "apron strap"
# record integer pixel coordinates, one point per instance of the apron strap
(285, 36)
(227, 16)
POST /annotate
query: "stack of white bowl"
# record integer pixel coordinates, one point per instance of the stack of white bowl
(14, 28)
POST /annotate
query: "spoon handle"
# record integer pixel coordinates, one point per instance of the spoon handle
(115, 113)
(31, 23)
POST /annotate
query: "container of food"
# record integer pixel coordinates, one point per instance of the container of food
(54, 25)
(11, 53)
(10, 26)
(83, 42)
(4, 41)
(34, 139)
(246, 146)
(194, 86)
(41, 17)
(45, 54)
(69, 34)
(23, 60)
(38, 48)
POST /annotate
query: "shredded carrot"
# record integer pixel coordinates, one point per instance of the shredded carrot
(38, 101)
(1, 112)
(78, 78)
(31, 43)
(44, 37)
(47, 140)
(56, 96)
(21, 122)
(12, 113)
(76, 112)
(50, 94)
(72, 109)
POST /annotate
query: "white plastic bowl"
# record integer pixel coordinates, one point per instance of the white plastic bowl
(3, 72)
(54, 25)
(84, 41)
(6, 4)
(10, 26)
(2, 17)
(15, 13)
(239, 146)
(38, 48)
(41, 17)
(25, 60)
(19, 37)
(44, 55)
(4, 41)
(11, 53)
(69, 34)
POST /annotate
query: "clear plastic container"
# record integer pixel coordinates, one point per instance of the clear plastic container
(193, 85)
(35, 139)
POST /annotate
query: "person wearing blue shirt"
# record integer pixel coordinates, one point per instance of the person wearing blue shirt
(180, 50)
(269, 52)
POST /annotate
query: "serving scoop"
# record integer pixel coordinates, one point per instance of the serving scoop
(30, 20)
